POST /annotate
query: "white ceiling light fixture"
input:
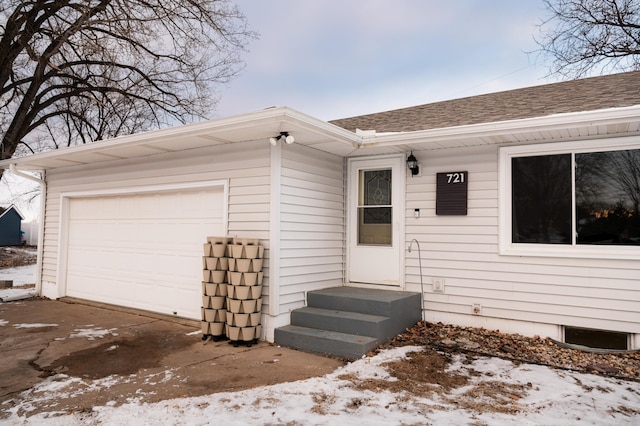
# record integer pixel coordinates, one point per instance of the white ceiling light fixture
(288, 139)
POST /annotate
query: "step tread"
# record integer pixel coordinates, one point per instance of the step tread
(364, 293)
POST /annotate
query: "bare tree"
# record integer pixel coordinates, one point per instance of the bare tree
(76, 71)
(584, 37)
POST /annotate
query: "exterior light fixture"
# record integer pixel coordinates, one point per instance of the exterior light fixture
(412, 164)
(288, 139)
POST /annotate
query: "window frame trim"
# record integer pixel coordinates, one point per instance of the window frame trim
(507, 248)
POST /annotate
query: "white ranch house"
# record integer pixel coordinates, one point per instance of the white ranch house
(523, 247)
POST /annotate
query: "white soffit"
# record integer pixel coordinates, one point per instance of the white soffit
(558, 127)
(259, 125)
(323, 136)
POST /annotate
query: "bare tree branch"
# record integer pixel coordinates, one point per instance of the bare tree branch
(584, 37)
(76, 71)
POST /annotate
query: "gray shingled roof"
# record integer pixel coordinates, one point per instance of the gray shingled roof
(610, 91)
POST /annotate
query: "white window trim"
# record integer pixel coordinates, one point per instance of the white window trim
(508, 248)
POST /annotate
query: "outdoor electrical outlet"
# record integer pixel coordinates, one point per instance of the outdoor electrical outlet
(438, 285)
(477, 309)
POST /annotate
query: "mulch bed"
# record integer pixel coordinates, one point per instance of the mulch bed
(518, 348)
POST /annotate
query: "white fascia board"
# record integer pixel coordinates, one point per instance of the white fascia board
(550, 122)
(145, 137)
(319, 126)
(284, 115)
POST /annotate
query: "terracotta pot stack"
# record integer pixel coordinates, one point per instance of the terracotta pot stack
(244, 296)
(215, 265)
(232, 289)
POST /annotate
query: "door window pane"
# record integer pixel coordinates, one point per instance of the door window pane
(374, 207)
(607, 197)
(541, 196)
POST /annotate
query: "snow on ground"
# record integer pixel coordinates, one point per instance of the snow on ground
(91, 333)
(551, 397)
(20, 275)
(34, 325)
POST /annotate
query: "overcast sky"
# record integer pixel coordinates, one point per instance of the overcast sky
(340, 58)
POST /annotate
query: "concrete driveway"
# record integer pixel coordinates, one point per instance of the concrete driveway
(108, 356)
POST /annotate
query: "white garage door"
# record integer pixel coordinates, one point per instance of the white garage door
(142, 251)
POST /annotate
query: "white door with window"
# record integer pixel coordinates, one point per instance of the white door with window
(376, 193)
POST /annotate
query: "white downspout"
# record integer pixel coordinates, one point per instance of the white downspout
(43, 199)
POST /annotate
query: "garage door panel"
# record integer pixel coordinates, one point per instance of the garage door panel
(142, 250)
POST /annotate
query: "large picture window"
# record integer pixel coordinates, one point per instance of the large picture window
(568, 196)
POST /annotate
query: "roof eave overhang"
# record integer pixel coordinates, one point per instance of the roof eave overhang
(322, 136)
(439, 138)
(251, 126)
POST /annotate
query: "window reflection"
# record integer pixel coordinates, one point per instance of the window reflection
(608, 197)
(541, 194)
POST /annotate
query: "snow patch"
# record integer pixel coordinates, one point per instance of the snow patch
(90, 333)
(20, 275)
(35, 325)
(549, 396)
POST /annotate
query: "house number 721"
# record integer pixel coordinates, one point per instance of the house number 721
(455, 178)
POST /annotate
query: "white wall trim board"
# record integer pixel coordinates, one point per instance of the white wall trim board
(274, 232)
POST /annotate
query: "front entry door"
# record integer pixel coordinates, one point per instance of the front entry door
(375, 219)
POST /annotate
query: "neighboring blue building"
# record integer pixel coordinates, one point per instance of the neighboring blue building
(10, 224)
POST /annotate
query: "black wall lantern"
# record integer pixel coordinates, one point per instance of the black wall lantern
(412, 164)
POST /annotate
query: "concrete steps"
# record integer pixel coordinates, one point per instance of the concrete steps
(348, 322)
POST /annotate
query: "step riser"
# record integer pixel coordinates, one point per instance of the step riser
(381, 330)
(371, 307)
(322, 345)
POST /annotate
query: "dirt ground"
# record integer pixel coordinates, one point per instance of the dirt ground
(115, 356)
(11, 257)
(118, 356)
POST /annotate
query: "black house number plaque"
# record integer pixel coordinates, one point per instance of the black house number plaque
(451, 193)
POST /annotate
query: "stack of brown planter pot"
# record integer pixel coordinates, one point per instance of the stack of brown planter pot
(232, 289)
(244, 292)
(215, 265)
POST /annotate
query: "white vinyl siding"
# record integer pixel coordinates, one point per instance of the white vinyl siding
(312, 225)
(464, 250)
(245, 166)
